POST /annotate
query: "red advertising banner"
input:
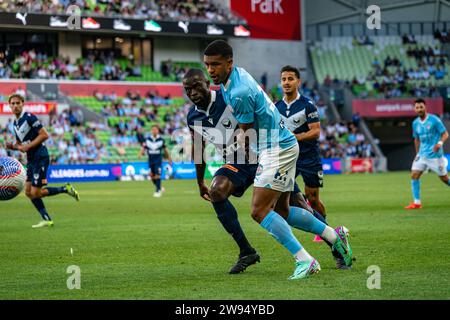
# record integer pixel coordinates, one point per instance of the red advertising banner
(271, 19)
(395, 107)
(33, 107)
(361, 165)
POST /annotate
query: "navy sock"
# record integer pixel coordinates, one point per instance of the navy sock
(320, 217)
(39, 205)
(55, 191)
(158, 185)
(154, 182)
(227, 215)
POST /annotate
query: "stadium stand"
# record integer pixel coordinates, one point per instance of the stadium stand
(382, 66)
(189, 10)
(129, 119)
(35, 65)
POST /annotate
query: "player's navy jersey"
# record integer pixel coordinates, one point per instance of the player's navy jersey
(27, 129)
(217, 126)
(296, 116)
(429, 133)
(154, 147)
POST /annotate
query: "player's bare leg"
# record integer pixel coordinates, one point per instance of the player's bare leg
(34, 194)
(296, 199)
(221, 189)
(155, 178)
(415, 187)
(445, 179)
(312, 194)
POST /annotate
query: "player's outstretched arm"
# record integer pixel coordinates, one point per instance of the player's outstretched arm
(438, 145)
(141, 152)
(167, 155)
(42, 136)
(200, 166)
(417, 145)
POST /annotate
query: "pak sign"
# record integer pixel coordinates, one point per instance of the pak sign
(271, 19)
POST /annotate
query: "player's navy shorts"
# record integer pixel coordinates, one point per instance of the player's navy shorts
(155, 168)
(37, 171)
(241, 175)
(312, 176)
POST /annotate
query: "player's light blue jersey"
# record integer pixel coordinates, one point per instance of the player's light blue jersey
(250, 104)
(429, 133)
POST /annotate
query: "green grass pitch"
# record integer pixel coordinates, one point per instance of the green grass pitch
(130, 245)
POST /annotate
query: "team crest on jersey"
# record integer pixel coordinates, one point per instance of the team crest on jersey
(259, 170)
(227, 123)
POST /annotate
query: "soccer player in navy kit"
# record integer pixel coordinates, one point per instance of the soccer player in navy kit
(154, 146)
(30, 138)
(300, 115)
(208, 117)
(277, 152)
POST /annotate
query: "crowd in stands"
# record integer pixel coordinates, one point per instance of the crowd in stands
(36, 65)
(168, 68)
(75, 143)
(390, 79)
(172, 10)
(341, 139)
(443, 36)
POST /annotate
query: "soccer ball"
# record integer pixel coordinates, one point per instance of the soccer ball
(12, 178)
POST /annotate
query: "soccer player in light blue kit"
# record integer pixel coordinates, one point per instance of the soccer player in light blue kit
(277, 151)
(429, 135)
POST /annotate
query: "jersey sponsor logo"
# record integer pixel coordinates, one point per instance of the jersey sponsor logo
(227, 123)
(313, 115)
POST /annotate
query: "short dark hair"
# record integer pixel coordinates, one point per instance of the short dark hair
(290, 68)
(194, 72)
(420, 100)
(219, 48)
(16, 95)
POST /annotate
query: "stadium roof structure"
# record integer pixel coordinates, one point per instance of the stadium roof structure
(359, 7)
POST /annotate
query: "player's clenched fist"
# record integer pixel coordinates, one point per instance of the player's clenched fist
(204, 192)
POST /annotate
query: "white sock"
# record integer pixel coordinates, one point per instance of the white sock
(303, 255)
(329, 234)
(417, 201)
